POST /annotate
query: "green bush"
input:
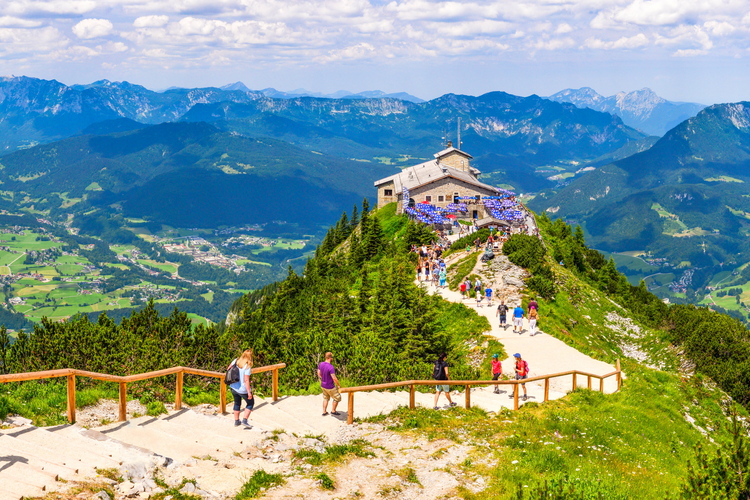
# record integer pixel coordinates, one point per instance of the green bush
(155, 408)
(524, 250)
(460, 244)
(260, 480)
(325, 481)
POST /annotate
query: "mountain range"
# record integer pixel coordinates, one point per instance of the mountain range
(687, 198)
(640, 109)
(504, 132)
(185, 175)
(511, 137)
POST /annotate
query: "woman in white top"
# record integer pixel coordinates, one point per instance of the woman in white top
(243, 390)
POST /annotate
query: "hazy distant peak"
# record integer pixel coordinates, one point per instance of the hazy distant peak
(585, 97)
(642, 109)
(236, 86)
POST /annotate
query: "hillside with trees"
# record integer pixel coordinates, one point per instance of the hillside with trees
(686, 367)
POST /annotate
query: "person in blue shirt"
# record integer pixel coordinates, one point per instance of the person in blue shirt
(243, 390)
(488, 294)
(518, 319)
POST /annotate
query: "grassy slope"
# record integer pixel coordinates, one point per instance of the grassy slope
(633, 444)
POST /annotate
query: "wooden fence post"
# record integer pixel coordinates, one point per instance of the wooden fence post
(123, 407)
(350, 410)
(619, 375)
(589, 384)
(546, 390)
(412, 404)
(223, 397)
(275, 390)
(468, 397)
(601, 385)
(71, 398)
(575, 382)
(178, 391)
(515, 396)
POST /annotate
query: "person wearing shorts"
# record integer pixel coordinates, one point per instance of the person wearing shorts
(522, 372)
(502, 312)
(440, 373)
(243, 389)
(497, 371)
(329, 383)
(518, 319)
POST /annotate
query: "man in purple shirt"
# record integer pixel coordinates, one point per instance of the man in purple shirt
(330, 384)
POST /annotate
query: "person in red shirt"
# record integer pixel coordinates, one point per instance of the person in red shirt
(522, 372)
(497, 370)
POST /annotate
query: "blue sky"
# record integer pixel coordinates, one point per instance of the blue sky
(685, 50)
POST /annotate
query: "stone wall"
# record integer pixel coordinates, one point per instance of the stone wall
(456, 160)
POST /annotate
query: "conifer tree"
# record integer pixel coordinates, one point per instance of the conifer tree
(354, 220)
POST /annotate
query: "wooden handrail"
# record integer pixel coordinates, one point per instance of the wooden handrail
(123, 382)
(469, 383)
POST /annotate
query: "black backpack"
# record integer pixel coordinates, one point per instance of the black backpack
(438, 370)
(233, 375)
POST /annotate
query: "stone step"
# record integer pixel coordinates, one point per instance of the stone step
(88, 454)
(13, 489)
(219, 425)
(189, 432)
(67, 459)
(138, 432)
(25, 476)
(268, 416)
(40, 457)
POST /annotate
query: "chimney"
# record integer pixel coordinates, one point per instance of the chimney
(450, 144)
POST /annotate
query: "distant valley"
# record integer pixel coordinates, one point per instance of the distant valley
(114, 161)
(683, 206)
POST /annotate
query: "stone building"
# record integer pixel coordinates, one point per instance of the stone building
(438, 182)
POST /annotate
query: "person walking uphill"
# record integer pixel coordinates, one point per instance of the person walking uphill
(440, 373)
(497, 371)
(518, 319)
(522, 372)
(243, 390)
(329, 383)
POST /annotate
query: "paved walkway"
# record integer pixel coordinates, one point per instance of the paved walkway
(544, 353)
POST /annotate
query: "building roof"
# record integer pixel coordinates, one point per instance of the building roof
(451, 149)
(429, 172)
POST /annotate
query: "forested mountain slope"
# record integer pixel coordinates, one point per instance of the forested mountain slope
(357, 298)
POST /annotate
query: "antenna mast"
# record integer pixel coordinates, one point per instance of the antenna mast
(458, 139)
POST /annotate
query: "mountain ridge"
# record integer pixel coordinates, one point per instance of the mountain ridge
(641, 109)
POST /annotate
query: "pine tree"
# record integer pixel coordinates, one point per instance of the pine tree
(354, 220)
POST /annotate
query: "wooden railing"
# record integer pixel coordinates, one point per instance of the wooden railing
(179, 371)
(469, 383)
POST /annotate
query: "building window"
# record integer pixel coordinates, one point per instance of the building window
(388, 192)
(428, 198)
(440, 198)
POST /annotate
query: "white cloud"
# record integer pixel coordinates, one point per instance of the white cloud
(554, 44)
(354, 52)
(15, 22)
(92, 28)
(719, 28)
(151, 21)
(686, 35)
(563, 28)
(56, 7)
(633, 42)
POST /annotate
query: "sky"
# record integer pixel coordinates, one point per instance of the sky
(684, 50)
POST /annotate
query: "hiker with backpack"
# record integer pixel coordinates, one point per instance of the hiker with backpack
(502, 313)
(238, 375)
(522, 372)
(440, 373)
